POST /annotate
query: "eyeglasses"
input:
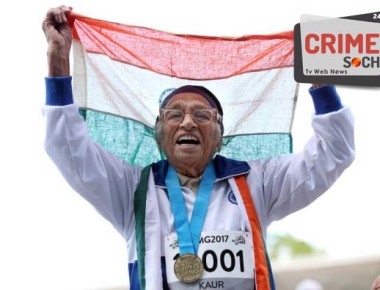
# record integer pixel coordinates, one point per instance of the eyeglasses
(200, 116)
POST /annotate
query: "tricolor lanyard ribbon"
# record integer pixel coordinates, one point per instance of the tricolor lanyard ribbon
(189, 232)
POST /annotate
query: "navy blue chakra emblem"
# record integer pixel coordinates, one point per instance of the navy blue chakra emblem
(232, 198)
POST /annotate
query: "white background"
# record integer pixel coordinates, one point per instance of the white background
(52, 239)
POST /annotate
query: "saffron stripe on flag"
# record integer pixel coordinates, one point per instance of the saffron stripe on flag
(184, 56)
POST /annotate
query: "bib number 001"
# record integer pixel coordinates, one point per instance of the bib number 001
(227, 259)
(229, 254)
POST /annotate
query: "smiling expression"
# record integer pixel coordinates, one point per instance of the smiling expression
(189, 146)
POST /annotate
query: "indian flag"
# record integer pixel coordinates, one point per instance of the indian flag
(123, 72)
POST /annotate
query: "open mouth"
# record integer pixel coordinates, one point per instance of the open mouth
(187, 140)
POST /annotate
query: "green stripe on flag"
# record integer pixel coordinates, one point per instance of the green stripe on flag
(136, 144)
(128, 139)
(257, 146)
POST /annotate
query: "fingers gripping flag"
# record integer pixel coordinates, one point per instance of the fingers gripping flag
(122, 73)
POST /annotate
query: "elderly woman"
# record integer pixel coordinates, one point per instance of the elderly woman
(196, 220)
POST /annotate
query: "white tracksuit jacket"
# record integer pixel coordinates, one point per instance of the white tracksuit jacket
(279, 186)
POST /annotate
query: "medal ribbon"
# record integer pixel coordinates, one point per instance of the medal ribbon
(189, 232)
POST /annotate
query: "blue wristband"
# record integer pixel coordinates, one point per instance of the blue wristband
(326, 99)
(58, 91)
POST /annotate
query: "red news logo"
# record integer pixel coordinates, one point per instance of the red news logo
(368, 43)
(361, 43)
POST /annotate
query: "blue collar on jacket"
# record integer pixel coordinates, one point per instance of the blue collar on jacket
(224, 167)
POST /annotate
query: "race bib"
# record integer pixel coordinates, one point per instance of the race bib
(227, 258)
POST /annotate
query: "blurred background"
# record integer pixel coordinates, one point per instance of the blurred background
(52, 239)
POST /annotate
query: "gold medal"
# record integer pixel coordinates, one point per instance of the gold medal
(188, 268)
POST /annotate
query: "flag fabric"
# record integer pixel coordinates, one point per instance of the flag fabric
(123, 72)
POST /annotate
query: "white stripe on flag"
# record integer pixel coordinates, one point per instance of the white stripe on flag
(254, 102)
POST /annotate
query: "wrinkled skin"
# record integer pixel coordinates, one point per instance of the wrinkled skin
(59, 38)
(190, 159)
